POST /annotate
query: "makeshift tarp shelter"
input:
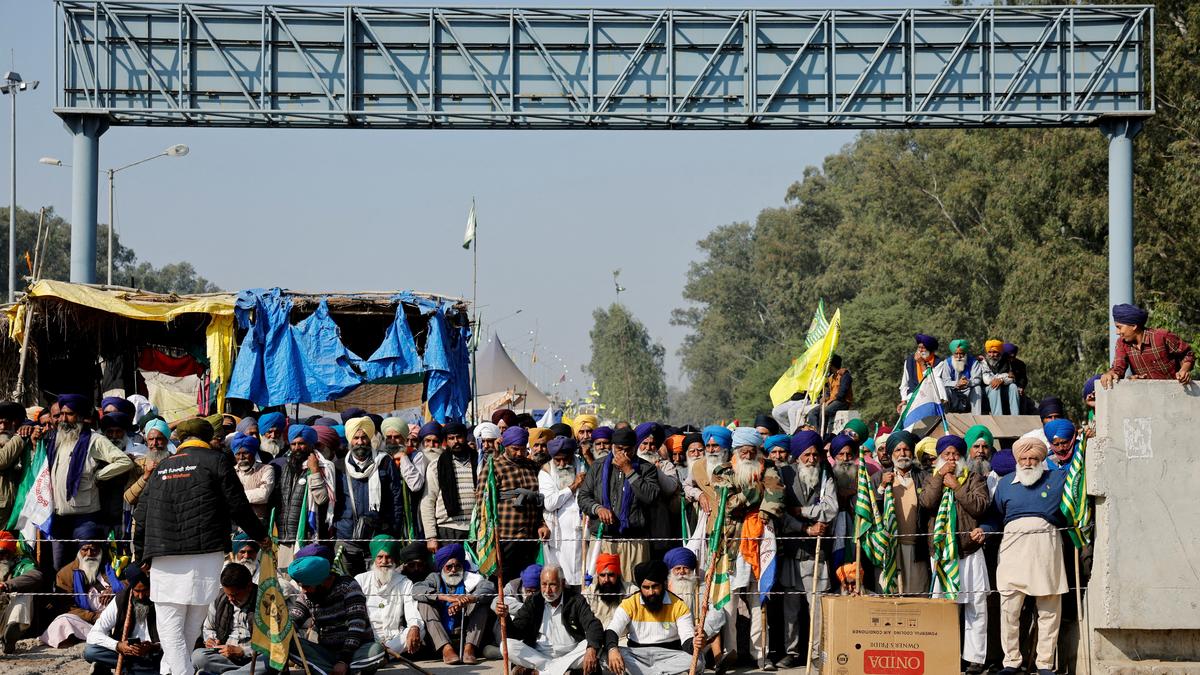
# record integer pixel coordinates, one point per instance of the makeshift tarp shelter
(501, 384)
(183, 351)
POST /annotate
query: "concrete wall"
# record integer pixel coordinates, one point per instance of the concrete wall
(1143, 469)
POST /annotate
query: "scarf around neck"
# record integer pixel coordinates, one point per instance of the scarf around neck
(78, 458)
(626, 492)
(369, 473)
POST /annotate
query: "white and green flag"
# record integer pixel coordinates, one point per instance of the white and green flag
(469, 236)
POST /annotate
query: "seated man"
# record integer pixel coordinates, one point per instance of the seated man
(608, 589)
(685, 584)
(229, 625)
(140, 646)
(337, 610)
(390, 603)
(448, 601)
(245, 551)
(554, 631)
(658, 624)
(960, 376)
(17, 575)
(90, 582)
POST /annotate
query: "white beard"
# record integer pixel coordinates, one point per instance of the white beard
(691, 462)
(808, 475)
(980, 466)
(384, 575)
(713, 461)
(651, 457)
(244, 468)
(960, 362)
(685, 586)
(904, 463)
(1031, 475)
(565, 476)
(599, 455)
(452, 579)
(959, 472)
(745, 473)
(251, 565)
(90, 568)
(271, 446)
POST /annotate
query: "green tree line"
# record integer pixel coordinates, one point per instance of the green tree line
(958, 233)
(179, 277)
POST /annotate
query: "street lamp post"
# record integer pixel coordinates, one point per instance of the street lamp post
(13, 84)
(178, 150)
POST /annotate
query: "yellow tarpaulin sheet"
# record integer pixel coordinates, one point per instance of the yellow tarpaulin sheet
(219, 307)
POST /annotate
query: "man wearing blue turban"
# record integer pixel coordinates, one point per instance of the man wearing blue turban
(258, 479)
(1061, 436)
(650, 437)
(754, 500)
(448, 601)
(272, 430)
(304, 488)
(1147, 353)
(337, 608)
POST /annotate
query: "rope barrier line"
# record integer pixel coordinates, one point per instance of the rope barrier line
(827, 537)
(736, 592)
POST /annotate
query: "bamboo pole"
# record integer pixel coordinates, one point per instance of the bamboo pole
(812, 607)
(698, 645)
(125, 629)
(503, 620)
(299, 650)
(1081, 616)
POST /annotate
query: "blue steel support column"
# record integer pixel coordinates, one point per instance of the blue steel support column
(1120, 134)
(85, 168)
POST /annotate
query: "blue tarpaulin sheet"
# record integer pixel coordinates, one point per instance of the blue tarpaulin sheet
(280, 363)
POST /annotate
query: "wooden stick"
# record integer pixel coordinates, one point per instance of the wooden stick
(403, 659)
(1080, 614)
(698, 645)
(762, 637)
(253, 660)
(503, 621)
(300, 649)
(583, 552)
(812, 607)
(125, 629)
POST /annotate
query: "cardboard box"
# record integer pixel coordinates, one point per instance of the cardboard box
(864, 635)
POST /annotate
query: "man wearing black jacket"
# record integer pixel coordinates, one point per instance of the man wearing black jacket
(185, 514)
(555, 630)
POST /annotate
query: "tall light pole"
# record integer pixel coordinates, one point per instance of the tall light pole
(13, 84)
(178, 150)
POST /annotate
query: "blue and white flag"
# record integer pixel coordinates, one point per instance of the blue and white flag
(925, 403)
(766, 562)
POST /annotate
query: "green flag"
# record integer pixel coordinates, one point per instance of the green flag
(720, 593)
(1075, 505)
(272, 629)
(876, 533)
(483, 546)
(943, 546)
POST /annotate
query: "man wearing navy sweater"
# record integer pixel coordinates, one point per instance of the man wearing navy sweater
(1031, 553)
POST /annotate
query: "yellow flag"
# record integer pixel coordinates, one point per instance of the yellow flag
(797, 376)
(272, 623)
(822, 351)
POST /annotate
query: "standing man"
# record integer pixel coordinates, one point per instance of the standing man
(272, 428)
(367, 502)
(1148, 353)
(409, 468)
(450, 483)
(15, 443)
(584, 426)
(558, 481)
(299, 472)
(838, 394)
(971, 500)
(616, 494)
(79, 460)
(905, 481)
(811, 505)
(187, 512)
(519, 519)
(1031, 554)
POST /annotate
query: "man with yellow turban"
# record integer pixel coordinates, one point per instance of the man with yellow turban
(584, 425)
(998, 381)
(367, 498)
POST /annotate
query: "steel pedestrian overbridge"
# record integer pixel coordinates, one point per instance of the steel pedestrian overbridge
(326, 66)
(354, 66)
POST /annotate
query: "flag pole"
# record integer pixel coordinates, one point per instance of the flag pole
(475, 306)
(500, 584)
(698, 645)
(812, 606)
(1080, 613)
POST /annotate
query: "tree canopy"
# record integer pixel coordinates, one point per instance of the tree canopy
(958, 233)
(627, 366)
(178, 277)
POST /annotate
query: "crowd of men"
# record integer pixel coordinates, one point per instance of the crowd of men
(152, 551)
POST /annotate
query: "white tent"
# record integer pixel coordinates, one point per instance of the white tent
(501, 384)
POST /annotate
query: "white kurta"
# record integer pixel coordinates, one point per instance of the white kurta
(1031, 559)
(391, 608)
(564, 547)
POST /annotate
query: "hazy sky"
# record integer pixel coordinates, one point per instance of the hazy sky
(373, 210)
